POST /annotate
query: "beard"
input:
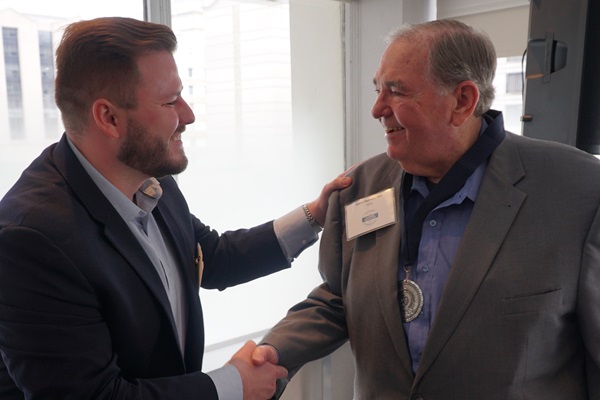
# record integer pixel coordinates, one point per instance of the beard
(149, 154)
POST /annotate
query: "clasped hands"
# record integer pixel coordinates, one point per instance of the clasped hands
(258, 369)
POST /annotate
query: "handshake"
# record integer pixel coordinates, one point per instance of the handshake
(257, 365)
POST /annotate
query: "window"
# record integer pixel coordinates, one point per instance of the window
(514, 82)
(14, 93)
(267, 95)
(509, 92)
(51, 117)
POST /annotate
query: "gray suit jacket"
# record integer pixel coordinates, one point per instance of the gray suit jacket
(520, 313)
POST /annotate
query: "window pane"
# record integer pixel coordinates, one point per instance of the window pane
(31, 30)
(514, 83)
(509, 91)
(265, 81)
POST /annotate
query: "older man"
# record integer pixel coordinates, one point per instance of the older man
(465, 262)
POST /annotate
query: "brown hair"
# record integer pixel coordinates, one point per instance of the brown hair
(98, 59)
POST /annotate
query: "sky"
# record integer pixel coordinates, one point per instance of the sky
(80, 8)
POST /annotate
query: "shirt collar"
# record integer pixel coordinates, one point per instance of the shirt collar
(147, 196)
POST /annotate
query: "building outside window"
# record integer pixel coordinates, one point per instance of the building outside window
(14, 93)
(51, 115)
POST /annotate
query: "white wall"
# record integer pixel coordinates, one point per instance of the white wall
(458, 8)
(507, 27)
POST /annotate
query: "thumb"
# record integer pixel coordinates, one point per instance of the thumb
(263, 354)
(245, 352)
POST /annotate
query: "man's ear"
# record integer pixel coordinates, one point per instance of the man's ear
(466, 95)
(107, 118)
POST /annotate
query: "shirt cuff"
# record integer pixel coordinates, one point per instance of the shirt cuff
(228, 382)
(295, 233)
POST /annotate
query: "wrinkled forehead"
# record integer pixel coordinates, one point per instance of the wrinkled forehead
(402, 56)
(406, 50)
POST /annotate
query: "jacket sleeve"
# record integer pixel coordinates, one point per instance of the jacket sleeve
(231, 257)
(239, 256)
(587, 306)
(316, 326)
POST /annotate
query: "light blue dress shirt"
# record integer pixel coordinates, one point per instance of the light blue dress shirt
(442, 232)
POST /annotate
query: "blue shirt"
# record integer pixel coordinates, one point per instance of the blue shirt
(442, 232)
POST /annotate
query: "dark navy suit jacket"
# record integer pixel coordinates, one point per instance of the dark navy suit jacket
(83, 313)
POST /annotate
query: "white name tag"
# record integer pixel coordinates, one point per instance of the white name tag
(370, 213)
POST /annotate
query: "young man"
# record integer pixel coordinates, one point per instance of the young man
(100, 258)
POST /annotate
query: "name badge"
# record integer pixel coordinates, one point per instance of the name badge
(370, 213)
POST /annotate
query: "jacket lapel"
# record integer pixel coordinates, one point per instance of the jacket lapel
(180, 242)
(116, 230)
(497, 205)
(194, 344)
(386, 263)
(130, 249)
